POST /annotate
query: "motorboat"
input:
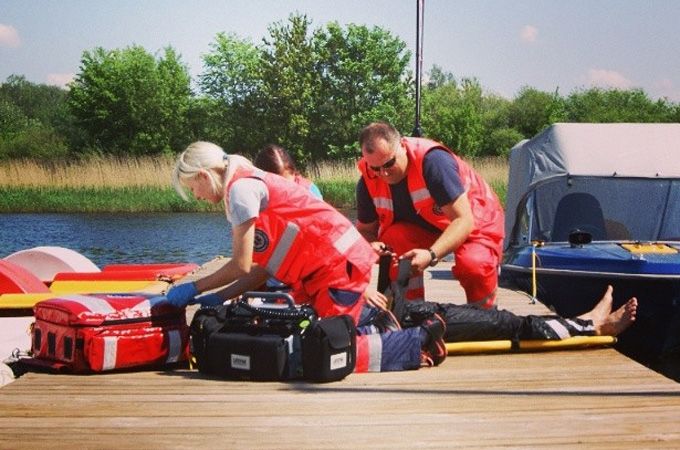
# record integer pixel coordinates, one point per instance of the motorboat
(591, 205)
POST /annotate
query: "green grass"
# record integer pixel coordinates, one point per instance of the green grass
(71, 200)
(339, 193)
(19, 199)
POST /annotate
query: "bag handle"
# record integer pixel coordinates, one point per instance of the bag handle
(291, 312)
(268, 297)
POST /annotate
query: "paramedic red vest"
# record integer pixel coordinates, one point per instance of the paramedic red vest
(486, 208)
(302, 181)
(297, 234)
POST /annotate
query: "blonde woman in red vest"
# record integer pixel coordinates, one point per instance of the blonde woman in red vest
(419, 199)
(279, 229)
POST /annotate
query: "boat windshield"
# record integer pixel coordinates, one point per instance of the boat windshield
(614, 209)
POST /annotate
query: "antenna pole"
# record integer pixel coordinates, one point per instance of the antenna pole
(420, 6)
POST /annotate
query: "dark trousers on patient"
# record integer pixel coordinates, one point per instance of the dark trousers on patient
(470, 323)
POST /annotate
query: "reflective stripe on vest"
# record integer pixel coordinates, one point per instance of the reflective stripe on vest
(283, 247)
(420, 195)
(346, 240)
(383, 203)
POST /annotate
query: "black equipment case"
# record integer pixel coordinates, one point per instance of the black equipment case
(276, 340)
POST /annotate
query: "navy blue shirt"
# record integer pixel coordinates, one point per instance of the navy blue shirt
(440, 171)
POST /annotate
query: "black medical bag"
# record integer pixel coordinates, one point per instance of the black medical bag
(272, 339)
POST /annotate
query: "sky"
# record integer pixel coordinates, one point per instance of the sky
(506, 44)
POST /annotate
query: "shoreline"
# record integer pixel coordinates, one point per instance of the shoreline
(136, 199)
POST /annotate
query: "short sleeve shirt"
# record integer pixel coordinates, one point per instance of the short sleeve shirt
(247, 198)
(440, 171)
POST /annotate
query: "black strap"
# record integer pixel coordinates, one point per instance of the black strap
(403, 275)
(384, 264)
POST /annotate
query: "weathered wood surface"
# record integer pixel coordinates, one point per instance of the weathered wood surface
(593, 398)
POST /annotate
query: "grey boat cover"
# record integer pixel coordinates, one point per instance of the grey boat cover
(567, 152)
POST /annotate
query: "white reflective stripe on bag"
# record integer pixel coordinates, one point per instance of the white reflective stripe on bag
(110, 352)
(94, 304)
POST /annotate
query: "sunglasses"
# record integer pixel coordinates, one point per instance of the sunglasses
(387, 165)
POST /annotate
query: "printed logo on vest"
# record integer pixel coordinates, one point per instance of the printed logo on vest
(338, 361)
(261, 241)
(241, 362)
(437, 211)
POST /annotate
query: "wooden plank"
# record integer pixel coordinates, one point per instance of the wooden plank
(595, 398)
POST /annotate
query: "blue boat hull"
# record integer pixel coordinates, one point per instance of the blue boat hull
(571, 280)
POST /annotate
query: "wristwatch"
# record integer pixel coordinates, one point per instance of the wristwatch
(433, 258)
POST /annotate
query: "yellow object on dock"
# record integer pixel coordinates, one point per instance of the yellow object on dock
(60, 288)
(94, 287)
(463, 348)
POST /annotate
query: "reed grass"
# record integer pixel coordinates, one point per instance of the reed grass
(98, 172)
(143, 185)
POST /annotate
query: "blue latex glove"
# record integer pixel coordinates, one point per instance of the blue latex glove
(181, 294)
(210, 300)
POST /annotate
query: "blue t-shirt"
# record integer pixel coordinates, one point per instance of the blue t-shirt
(440, 171)
(316, 192)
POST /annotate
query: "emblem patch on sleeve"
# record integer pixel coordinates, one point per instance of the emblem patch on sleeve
(437, 210)
(261, 241)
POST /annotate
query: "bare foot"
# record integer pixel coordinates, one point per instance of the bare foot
(616, 322)
(610, 323)
(602, 309)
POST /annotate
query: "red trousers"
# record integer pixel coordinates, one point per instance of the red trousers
(340, 290)
(476, 266)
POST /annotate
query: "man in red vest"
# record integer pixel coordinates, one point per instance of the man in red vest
(417, 198)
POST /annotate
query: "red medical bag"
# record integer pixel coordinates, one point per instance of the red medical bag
(101, 332)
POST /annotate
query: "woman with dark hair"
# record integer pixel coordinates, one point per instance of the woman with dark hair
(275, 159)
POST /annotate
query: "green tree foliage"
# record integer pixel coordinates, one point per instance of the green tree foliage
(364, 78)
(129, 102)
(310, 90)
(34, 122)
(533, 110)
(614, 105)
(231, 83)
(452, 114)
(497, 137)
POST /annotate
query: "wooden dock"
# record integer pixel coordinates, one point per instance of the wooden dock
(595, 398)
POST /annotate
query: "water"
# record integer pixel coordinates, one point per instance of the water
(121, 238)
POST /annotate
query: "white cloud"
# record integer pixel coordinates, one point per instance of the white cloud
(528, 33)
(60, 79)
(666, 88)
(608, 79)
(9, 36)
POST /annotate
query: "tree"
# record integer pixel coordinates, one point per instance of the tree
(34, 122)
(290, 83)
(310, 90)
(615, 105)
(452, 114)
(364, 78)
(498, 137)
(533, 110)
(231, 81)
(129, 102)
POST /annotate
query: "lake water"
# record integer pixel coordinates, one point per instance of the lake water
(121, 238)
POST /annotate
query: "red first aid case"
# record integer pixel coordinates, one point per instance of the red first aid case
(102, 332)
